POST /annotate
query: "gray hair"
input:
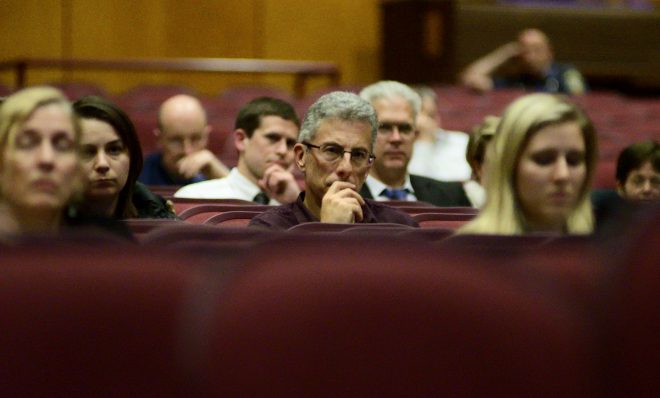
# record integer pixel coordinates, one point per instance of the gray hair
(390, 88)
(338, 105)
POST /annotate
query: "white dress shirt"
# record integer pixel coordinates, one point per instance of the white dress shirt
(234, 186)
(443, 159)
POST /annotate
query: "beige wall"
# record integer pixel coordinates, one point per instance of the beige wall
(345, 32)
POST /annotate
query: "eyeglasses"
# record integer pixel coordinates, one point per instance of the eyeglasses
(405, 129)
(331, 153)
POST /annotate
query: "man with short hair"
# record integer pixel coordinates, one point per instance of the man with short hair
(534, 68)
(397, 106)
(334, 151)
(265, 132)
(183, 135)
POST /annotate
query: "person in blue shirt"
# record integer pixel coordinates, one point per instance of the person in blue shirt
(532, 67)
(183, 135)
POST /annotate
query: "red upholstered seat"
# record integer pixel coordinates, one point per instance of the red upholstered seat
(201, 212)
(386, 318)
(233, 218)
(97, 322)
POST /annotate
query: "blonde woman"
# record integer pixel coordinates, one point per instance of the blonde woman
(539, 168)
(39, 160)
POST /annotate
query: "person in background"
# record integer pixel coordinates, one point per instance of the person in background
(183, 135)
(265, 133)
(475, 156)
(39, 165)
(112, 160)
(397, 107)
(437, 153)
(534, 68)
(638, 171)
(334, 152)
(539, 168)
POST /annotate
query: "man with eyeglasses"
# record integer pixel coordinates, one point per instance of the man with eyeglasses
(397, 106)
(266, 131)
(334, 152)
(183, 136)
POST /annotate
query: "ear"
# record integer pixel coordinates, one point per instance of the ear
(299, 154)
(240, 140)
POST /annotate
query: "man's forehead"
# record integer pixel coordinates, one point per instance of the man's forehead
(279, 125)
(344, 132)
(395, 107)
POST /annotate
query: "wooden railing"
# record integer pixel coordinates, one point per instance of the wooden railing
(301, 70)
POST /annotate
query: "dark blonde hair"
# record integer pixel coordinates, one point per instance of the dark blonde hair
(522, 119)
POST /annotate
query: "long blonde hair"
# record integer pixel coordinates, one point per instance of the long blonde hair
(524, 117)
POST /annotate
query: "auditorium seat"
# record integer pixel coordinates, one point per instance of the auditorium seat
(76, 89)
(99, 322)
(389, 318)
(180, 204)
(149, 97)
(442, 220)
(232, 218)
(633, 308)
(340, 227)
(141, 226)
(199, 213)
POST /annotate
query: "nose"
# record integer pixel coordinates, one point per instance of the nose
(396, 134)
(560, 171)
(280, 147)
(188, 147)
(101, 165)
(647, 188)
(344, 167)
(46, 156)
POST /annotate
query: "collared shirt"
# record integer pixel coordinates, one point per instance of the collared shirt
(377, 187)
(560, 78)
(444, 159)
(153, 172)
(475, 193)
(285, 216)
(234, 186)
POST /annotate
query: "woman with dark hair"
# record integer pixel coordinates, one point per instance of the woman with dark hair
(112, 161)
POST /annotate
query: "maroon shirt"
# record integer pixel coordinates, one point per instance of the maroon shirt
(286, 216)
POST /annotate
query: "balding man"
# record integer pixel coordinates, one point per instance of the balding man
(533, 68)
(183, 135)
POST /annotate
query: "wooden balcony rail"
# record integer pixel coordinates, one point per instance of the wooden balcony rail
(301, 70)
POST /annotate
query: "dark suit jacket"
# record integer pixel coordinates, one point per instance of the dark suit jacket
(438, 193)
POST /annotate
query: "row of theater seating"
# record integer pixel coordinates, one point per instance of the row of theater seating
(333, 315)
(230, 213)
(620, 121)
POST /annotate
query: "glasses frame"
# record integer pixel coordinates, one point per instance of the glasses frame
(370, 158)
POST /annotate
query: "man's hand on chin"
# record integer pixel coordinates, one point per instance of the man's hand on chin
(342, 204)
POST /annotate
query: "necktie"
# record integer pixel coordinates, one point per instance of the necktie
(261, 198)
(395, 194)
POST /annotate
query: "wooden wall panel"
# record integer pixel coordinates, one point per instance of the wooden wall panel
(30, 28)
(332, 30)
(346, 32)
